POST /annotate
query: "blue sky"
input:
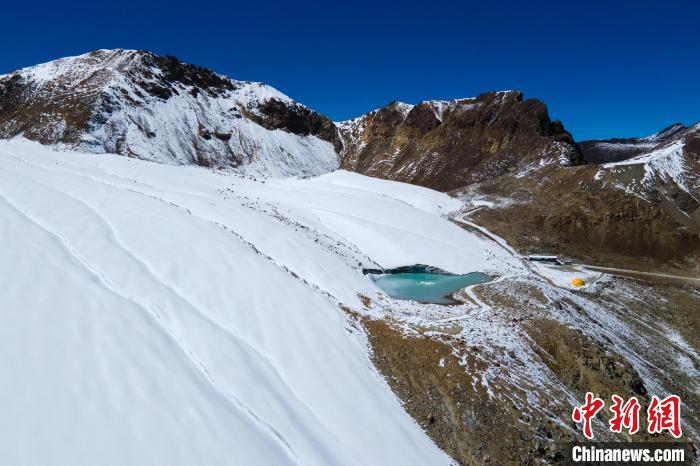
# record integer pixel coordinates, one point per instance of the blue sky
(605, 69)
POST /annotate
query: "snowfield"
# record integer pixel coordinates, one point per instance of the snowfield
(156, 314)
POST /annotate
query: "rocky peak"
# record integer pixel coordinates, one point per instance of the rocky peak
(669, 131)
(449, 144)
(139, 104)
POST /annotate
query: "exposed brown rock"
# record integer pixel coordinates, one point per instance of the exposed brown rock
(275, 114)
(581, 364)
(443, 394)
(447, 145)
(453, 410)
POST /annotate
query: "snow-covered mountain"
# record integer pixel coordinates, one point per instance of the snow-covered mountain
(156, 108)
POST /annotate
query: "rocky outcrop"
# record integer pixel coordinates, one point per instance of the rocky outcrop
(295, 118)
(138, 104)
(449, 144)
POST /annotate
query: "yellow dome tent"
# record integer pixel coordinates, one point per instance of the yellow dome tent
(578, 282)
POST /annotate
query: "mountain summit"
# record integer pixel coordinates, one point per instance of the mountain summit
(446, 145)
(151, 107)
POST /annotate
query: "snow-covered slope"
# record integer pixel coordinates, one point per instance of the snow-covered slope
(154, 314)
(666, 163)
(617, 149)
(146, 106)
(666, 173)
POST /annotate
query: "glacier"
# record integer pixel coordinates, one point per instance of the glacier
(161, 314)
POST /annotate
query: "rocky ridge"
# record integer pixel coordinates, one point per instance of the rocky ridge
(446, 145)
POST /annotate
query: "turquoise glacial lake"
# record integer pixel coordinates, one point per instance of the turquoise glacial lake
(427, 287)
